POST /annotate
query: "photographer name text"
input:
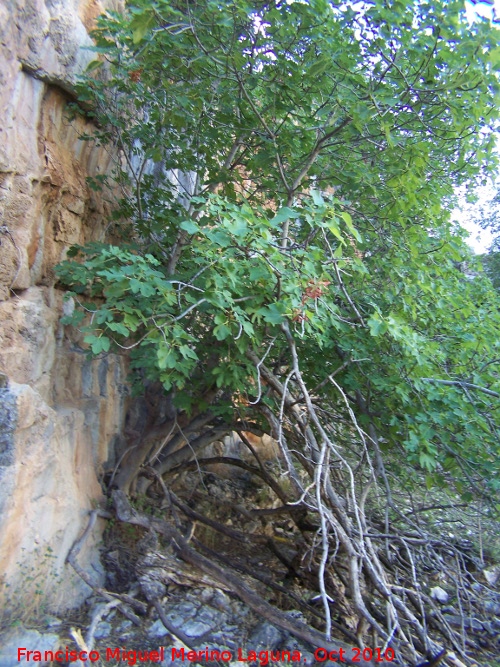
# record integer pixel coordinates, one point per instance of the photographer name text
(262, 658)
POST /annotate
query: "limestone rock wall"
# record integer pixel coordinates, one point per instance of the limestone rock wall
(60, 412)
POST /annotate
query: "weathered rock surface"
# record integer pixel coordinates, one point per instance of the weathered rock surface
(60, 412)
(32, 640)
(199, 615)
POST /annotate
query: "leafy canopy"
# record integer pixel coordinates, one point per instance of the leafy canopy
(294, 163)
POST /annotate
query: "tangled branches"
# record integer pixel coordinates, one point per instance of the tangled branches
(360, 547)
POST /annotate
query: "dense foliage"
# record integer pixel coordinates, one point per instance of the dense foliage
(283, 255)
(491, 265)
(236, 120)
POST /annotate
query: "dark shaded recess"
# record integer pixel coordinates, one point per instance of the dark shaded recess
(8, 420)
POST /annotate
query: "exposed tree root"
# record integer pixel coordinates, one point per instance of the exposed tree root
(228, 579)
(351, 540)
(121, 601)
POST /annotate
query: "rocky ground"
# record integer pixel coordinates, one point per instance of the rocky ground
(168, 607)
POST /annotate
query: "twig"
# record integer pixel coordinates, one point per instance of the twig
(110, 597)
(461, 383)
(99, 612)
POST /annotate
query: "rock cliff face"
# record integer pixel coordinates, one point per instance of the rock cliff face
(60, 412)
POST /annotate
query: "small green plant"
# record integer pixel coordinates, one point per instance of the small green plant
(33, 594)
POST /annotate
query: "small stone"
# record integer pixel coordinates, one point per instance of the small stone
(196, 628)
(207, 594)
(291, 644)
(224, 641)
(492, 607)
(157, 629)
(492, 574)
(186, 608)
(264, 636)
(175, 619)
(125, 625)
(210, 616)
(296, 614)
(220, 601)
(439, 594)
(32, 639)
(103, 630)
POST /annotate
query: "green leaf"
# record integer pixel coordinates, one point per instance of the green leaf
(377, 325)
(427, 461)
(348, 220)
(119, 328)
(494, 56)
(166, 357)
(274, 313)
(317, 198)
(332, 225)
(319, 67)
(283, 214)
(222, 331)
(248, 327)
(94, 65)
(190, 226)
(187, 352)
(140, 26)
(98, 344)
